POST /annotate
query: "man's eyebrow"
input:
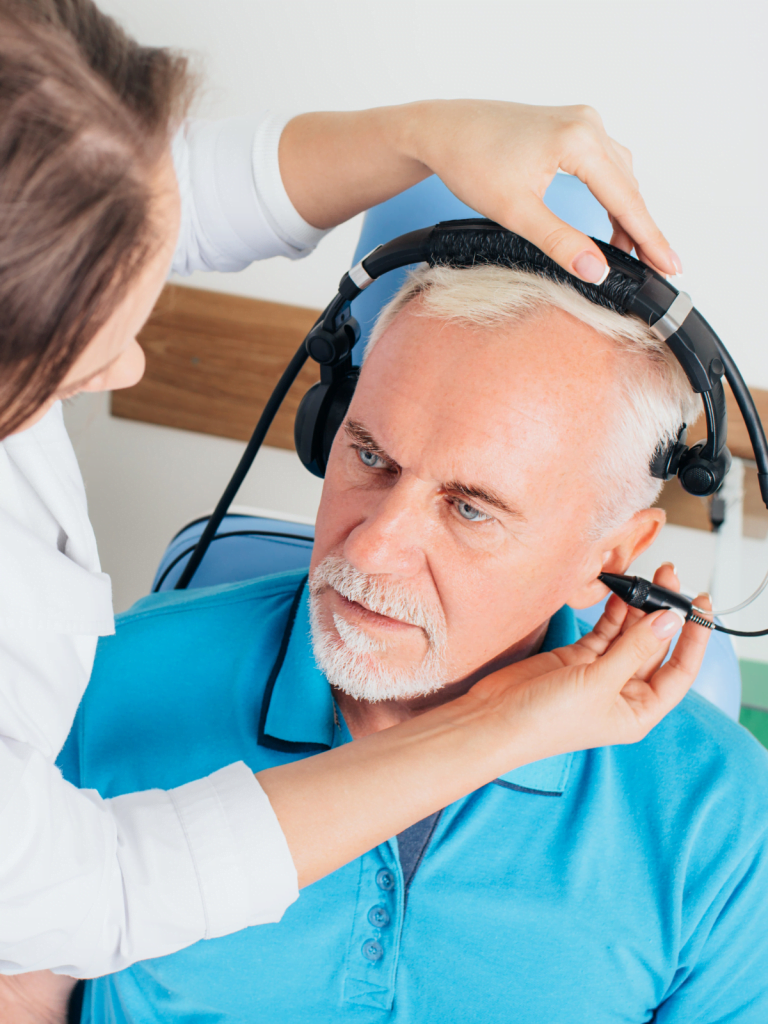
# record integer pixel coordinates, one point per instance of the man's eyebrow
(487, 496)
(358, 434)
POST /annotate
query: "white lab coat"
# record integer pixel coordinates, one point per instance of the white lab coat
(89, 886)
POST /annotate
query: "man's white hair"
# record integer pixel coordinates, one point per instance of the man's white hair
(655, 397)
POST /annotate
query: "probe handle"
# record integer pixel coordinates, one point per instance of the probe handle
(640, 593)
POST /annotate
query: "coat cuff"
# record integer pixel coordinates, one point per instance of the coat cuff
(244, 867)
(285, 219)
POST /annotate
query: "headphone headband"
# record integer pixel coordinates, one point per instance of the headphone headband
(630, 288)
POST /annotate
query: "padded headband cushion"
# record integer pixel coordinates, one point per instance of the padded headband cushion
(491, 244)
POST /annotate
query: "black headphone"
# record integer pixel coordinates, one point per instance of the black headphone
(630, 288)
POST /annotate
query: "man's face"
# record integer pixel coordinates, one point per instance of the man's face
(458, 498)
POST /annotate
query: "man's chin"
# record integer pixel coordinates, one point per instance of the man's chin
(369, 676)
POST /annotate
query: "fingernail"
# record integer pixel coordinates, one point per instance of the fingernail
(668, 624)
(589, 268)
(676, 261)
(671, 566)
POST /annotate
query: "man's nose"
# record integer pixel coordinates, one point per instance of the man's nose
(390, 539)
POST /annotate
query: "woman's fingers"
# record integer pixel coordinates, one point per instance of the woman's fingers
(618, 617)
(620, 238)
(672, 681)
(606, 629)
(612, 183)
(631, 650)
(615, 188)
(665, 576)
(528, 216)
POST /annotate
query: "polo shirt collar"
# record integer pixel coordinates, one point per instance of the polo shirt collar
(298, 711)
(298, 714)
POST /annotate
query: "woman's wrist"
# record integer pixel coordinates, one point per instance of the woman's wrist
(418, 130)
(491, 737)
(337, 164)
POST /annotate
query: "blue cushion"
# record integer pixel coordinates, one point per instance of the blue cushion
(244, 548)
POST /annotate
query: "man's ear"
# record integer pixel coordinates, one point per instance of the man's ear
(616, 552)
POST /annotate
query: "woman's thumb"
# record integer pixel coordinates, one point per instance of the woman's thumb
(633, 648)
(574, 251)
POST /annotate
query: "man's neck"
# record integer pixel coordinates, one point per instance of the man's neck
(364, 718)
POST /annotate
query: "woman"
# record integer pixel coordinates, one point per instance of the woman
(101, 193)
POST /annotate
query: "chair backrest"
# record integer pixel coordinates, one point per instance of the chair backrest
(250, 546)
(244, 548)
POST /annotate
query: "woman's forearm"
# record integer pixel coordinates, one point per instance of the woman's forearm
(498, 158)
(336, 805)
(337, 164)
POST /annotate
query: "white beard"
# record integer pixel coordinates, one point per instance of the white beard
(351, 659)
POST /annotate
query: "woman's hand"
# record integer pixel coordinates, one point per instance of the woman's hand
(609, 687)
(39, 997)
(498, 158)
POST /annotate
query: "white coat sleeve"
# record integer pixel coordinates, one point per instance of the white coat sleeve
(89, 886)
(234, 207)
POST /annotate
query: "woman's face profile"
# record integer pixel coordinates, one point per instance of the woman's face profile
(114, 359)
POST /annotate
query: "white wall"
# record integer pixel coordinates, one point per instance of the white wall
(682, 84)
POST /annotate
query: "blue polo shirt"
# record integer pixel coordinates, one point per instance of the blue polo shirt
(623, 884)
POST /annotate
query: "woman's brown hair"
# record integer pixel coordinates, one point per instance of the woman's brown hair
(85, 116)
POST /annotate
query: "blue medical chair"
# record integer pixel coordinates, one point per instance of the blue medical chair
(247, 547)
(244, 548)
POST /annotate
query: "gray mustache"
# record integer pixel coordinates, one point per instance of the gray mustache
(380, 596)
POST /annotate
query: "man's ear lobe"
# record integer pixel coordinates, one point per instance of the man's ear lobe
(617, 551)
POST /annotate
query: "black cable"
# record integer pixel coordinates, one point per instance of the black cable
(245, 463)
(739, 632)
(223, 536)
(751, 418)
(700, 620)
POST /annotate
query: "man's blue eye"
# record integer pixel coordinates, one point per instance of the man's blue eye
(370, 459)
(470, 513)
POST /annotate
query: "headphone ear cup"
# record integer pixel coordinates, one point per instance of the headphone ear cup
(702, 476)
(305, 426)
(337, 403)
(318, 418)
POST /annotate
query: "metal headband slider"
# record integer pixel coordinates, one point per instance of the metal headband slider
(359, 275)
(674, 317)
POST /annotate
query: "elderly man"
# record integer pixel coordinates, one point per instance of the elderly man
(494, 460)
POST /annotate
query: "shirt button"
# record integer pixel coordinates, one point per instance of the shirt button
(372, 950)
(385, 880)
(378, 917)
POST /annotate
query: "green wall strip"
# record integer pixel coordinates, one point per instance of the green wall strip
(754, 684)
(756, 720)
